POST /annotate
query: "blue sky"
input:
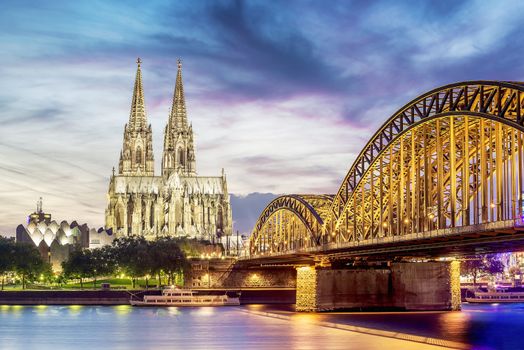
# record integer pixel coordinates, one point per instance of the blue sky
(282, 94)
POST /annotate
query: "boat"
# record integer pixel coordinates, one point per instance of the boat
(185, 297)
(496, 297)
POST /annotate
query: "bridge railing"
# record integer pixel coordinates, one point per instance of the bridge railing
(390, 241)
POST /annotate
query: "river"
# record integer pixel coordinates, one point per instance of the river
(125, 327)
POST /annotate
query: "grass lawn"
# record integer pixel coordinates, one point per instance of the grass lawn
(116, 283)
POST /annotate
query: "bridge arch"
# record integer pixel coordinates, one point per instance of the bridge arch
(290, 222)
(447, 165)
(481, 121)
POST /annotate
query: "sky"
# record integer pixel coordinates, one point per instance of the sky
(282, 94)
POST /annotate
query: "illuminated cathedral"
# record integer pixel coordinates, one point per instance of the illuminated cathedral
(177, 202)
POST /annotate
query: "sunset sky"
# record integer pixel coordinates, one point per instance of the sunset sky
(282, 94)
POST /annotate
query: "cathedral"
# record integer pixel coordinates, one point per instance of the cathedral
(177, 202)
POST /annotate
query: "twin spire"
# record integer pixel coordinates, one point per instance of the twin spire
(178, 115)
(137, 154)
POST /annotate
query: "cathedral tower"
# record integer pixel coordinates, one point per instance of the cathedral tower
(136, 158)
(179, 151)
(175, 203)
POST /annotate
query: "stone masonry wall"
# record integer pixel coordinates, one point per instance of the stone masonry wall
(407, 286)
(424, 286)
(307, 285)
(225, 273)
(353, 288)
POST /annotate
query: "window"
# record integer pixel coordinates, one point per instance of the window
(138, 155)
(181, 159)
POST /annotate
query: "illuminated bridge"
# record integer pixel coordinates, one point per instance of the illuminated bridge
(442, 177)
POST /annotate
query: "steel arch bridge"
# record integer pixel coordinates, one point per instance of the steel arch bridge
(445, 170)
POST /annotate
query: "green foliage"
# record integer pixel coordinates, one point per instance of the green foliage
(132, 256)
(89, 264)
(194, 247)
(7, 258)
(135, 257)
(23, 259)
(167, 256)
(482, 264)
(7, 255)
(79, 265)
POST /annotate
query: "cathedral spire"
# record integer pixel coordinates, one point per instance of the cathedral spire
(178, 116)
(179, 149)
(137, 117)
(136, 158)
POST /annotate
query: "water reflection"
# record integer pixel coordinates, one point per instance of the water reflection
(74, 310)
(203, 311)
(454, 324)
(126, 327)
(122, 310)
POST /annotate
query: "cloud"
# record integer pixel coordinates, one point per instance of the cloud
(282, 95)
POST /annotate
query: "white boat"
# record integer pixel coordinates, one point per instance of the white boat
(185, 297)
(496, 297)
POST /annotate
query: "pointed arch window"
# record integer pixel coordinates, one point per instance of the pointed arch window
(181, 157)
(220, 219)
(138, 155)
(119, 216)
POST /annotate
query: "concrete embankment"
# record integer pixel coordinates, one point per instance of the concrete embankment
(68, 297)
(121, 297)
(288, 316)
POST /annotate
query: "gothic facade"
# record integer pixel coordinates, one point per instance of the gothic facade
(178, 202)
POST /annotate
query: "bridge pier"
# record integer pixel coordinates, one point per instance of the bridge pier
(405, 286)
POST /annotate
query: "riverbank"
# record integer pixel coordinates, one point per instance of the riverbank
(122, 297)
(69, 297)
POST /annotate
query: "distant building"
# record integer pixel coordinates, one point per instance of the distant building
(55, 241)
(176, 203)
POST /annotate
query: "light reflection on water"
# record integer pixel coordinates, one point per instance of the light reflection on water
(124, 327)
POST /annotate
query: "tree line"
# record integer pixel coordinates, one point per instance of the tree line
(133, 256)
(164, 259)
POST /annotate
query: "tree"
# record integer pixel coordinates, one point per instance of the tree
(482, 264)
(28, 262)
(7, 257)
(79, 265)
(167, 256)
(103, 262)
(132, 256)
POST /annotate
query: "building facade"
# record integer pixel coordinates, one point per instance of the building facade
(55, 241)
(177, 202)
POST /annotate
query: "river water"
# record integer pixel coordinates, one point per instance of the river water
(125, 327)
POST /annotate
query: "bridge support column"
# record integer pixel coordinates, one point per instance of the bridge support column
(427, 285)
(404, 286)
(307, 289)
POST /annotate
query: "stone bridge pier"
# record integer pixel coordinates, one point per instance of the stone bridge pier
(397, 285)
(403, 286)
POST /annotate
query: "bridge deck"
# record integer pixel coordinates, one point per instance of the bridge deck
(465, 240)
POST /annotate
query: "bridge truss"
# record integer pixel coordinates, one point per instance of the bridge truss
(450, 160)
